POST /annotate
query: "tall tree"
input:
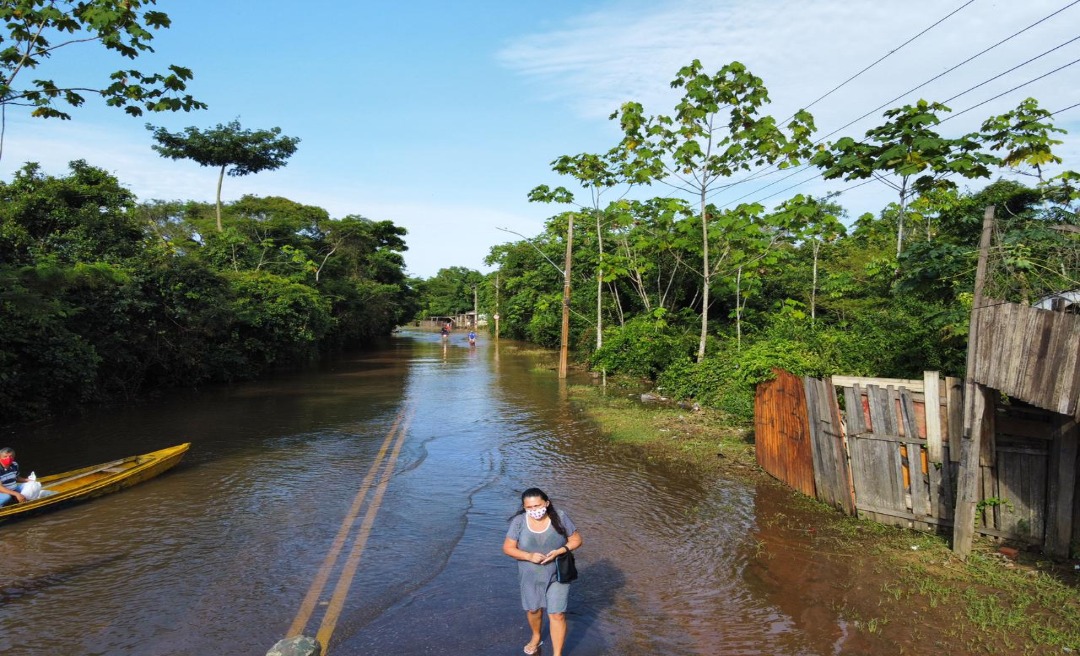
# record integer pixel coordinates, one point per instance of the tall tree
(225, 146)
(908, 148)
(36, 30)
(716, 131)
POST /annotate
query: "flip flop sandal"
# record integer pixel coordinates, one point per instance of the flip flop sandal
(533, 649)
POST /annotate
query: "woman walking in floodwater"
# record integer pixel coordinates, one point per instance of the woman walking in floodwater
(537, 535)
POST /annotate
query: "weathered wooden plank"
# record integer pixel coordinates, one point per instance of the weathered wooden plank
(954, 414)
(920, 498)
(1035, 488)
(860, 472)
(948, 487)
(932, 410)
(1069, 396)
(821, 450)
(1047, 375)
(1065, 393)
(1035, 363)
(905, 515)
(933, 477)
(889, 401)
(877, 417)
(992, 346)
(990, 490)
(967, 483)
(1027, 428)
(988, 456)
(862, 381)
(854, 414)
(897, 439)
(1026, 451)
(983, 530)
(845, 496)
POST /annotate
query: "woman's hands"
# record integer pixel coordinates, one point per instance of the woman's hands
(550, 556)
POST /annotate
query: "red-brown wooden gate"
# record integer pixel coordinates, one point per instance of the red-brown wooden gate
(781, 434)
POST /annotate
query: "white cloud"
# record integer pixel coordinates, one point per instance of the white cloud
(802, 50)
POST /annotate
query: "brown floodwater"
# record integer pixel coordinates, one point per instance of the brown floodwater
(218, 555)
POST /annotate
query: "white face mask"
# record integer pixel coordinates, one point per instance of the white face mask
(537, 513)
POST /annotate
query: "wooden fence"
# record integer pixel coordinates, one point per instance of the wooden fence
(889, 454)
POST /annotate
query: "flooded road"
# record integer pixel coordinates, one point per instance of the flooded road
(218, 555)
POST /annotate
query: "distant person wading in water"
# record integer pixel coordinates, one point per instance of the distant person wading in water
(537, 534)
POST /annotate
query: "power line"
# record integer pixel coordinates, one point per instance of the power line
(884, 57)
(999, 75)
(771, 170)
(949, 70)
(1004, 93)
(767, 171)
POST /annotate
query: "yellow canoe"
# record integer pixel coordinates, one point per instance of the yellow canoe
(89, 482)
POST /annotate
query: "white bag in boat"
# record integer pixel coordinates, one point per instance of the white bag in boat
(31, 489)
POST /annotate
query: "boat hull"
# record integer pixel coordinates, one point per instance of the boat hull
(59, 490)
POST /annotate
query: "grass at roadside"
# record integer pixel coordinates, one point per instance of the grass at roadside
(922, 595)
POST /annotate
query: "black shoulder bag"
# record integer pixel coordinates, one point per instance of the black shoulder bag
(565, 569)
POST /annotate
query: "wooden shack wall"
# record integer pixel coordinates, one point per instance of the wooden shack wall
(884, 460)
(1030, 354)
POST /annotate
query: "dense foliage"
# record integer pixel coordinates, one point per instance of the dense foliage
(799, 285)
(103, 298)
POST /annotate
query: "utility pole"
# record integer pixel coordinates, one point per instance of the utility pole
(978, 406)
(497, 306)
(565, 345)
(475, 312)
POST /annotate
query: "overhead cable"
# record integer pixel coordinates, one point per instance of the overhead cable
(999, 75)
(949, 70)
(884, 57)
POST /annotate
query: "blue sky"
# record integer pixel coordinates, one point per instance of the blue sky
(441, 116)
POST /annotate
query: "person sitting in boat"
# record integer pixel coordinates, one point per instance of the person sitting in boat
(10, 481)
(472, 336)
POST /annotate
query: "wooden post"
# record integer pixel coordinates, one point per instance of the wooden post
(1062, 488)
(975, 402)
(565, 344)
(954, 414)
(932, 401)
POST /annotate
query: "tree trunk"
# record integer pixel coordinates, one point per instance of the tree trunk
(599, 284)
(706, 278)
(738, 309)
(221, 177)
(813, 287)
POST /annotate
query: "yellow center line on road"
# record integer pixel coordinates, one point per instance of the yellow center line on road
(323, 575)
(337, 602)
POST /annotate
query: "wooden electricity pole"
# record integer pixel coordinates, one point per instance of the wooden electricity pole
(565, 343)
(978, 406)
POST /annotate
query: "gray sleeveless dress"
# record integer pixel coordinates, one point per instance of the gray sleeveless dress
(539, 589)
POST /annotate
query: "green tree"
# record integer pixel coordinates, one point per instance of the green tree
(36, 30)
(83, 217)
(908, 148)
(229, 147)
(450, 291)
(716, 130)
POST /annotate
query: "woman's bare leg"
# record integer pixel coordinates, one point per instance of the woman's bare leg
(536, 618)
(557, 627)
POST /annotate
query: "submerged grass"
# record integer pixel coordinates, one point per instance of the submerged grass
(987, 604)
